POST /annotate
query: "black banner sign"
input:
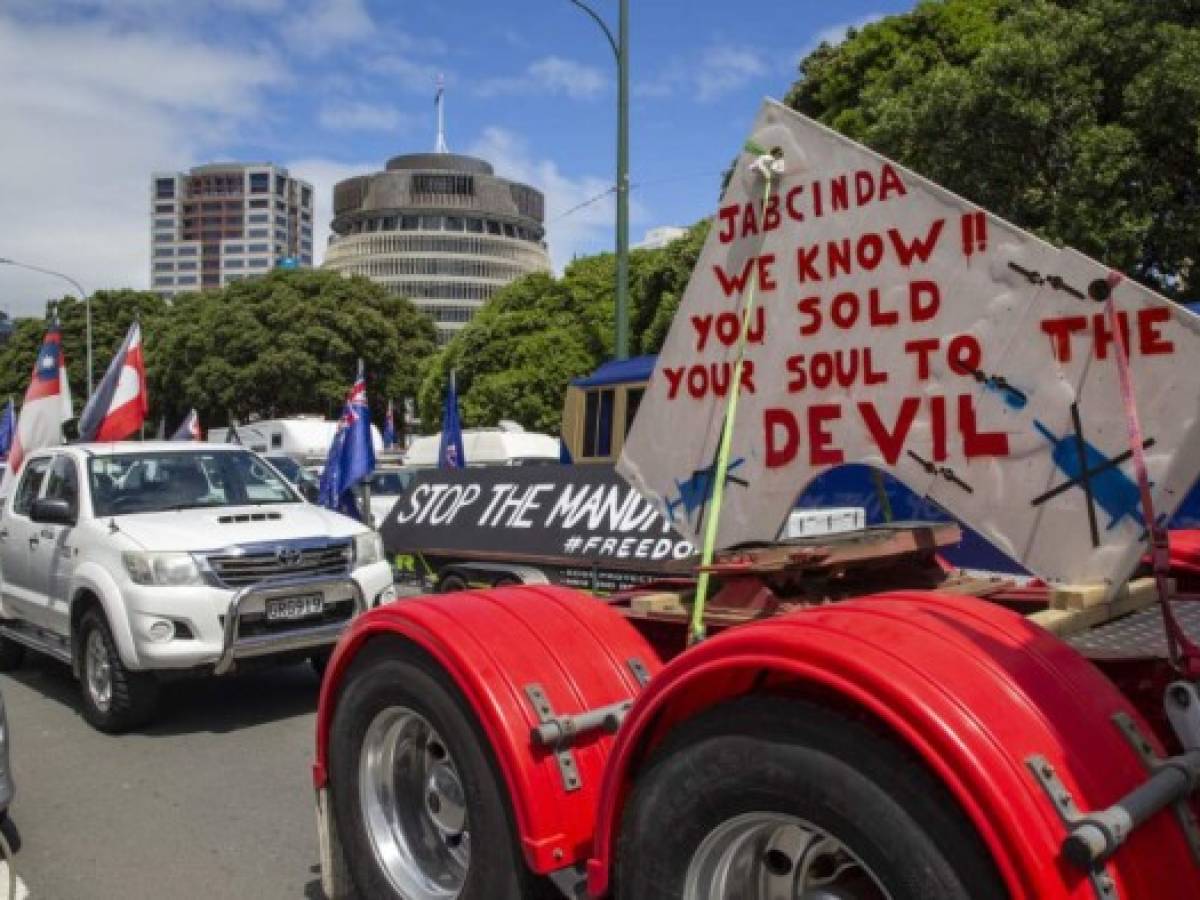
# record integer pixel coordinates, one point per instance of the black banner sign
(584, 520)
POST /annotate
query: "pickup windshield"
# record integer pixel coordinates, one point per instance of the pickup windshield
(153, 482)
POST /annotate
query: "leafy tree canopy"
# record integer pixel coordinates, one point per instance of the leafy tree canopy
(1076, 119)
(275, 346)
(516, 356)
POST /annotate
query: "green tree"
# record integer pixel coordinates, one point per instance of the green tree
(279, 345)
(1076, 119)
(516, 357)
(289, 343)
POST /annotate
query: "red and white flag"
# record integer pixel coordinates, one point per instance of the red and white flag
(121, 402)
(47, 405)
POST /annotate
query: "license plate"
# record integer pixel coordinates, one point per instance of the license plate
(295, 607)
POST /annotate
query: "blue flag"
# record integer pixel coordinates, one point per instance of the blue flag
(450, 451)
(351, 455)
(389, 429)
(8, 428)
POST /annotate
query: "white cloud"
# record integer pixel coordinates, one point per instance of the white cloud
(585, 230)
(97, 111)
(549, 75)
(328, 25)
(357, 115)
(323, 174)
(410, 75)
(715, 71)
(835, 34)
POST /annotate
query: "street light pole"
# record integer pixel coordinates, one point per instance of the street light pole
(83, 295)
(620, 48)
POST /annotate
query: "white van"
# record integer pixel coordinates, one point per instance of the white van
(303, 438)
(489, 447)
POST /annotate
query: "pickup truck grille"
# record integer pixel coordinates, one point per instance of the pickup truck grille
(238, 570)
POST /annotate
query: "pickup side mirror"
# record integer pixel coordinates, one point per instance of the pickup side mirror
(52, 512)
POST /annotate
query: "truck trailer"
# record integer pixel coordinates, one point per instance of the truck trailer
(841, 716)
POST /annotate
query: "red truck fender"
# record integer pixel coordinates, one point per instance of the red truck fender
(974, 689)
(493, 644)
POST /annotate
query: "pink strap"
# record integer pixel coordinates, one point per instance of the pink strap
(1183, 654)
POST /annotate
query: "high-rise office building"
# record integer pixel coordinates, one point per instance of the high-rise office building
(441, 229)
(219, 223)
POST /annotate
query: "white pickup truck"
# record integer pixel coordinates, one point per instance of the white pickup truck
(136, 561)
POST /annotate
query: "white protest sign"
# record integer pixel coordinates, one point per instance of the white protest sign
(901, 326)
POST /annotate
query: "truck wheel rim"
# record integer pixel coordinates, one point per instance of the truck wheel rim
(772, 856)
(414, 806)
(98, 671)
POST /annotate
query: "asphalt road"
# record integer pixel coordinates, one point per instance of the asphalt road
(213, 800)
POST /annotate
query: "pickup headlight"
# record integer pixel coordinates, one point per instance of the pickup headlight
(162, 568)
(368, 548)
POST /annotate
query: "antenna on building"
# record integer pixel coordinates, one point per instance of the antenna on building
(440, 102)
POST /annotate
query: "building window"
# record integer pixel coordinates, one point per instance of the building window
(459, 185)
(230, 279)
(164, 223)
(305, 196)
(259, 204)
(258, 248)
(187, 251)
(260, 183)
(234, 263)
(164, 267)
(509, 231)
(306, 245)
(163, 238)
(454, 223)
(187, 279)
(493, 227)
(233, 248)
(164, 251)
(188, 265)
(258, 232)
(258, 218)
(475, 226)
(305, 215)
(597, 423)
(306, 259)
(164, 207)
(409, 223)
(280, 185)
(164, 188)
(431, 223)
(258, 263)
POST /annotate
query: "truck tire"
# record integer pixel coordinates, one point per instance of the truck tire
(12, 654)
(114, 698)
(795, 800)
(418, 799)
(451, 583)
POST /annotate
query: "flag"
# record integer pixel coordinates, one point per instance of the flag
(450, 451)
(47, 404)
(389, 428)
(8, 427)
(351, 454)
(119, 406)
(441, 89)
(189, 428)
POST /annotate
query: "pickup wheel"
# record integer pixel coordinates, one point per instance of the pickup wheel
(451, 584)
(418, 799)
(114, 698)
(828, 808)
(12, 654)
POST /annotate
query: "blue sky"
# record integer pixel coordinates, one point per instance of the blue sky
(96, 94)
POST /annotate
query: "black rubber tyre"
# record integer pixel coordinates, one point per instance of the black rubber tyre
(134, 694)
(403, 677)
(449, 584)
(12, 655)
(507, 581)
(789, 757)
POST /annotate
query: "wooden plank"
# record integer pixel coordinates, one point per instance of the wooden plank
(1135, 595)
(656, 603)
